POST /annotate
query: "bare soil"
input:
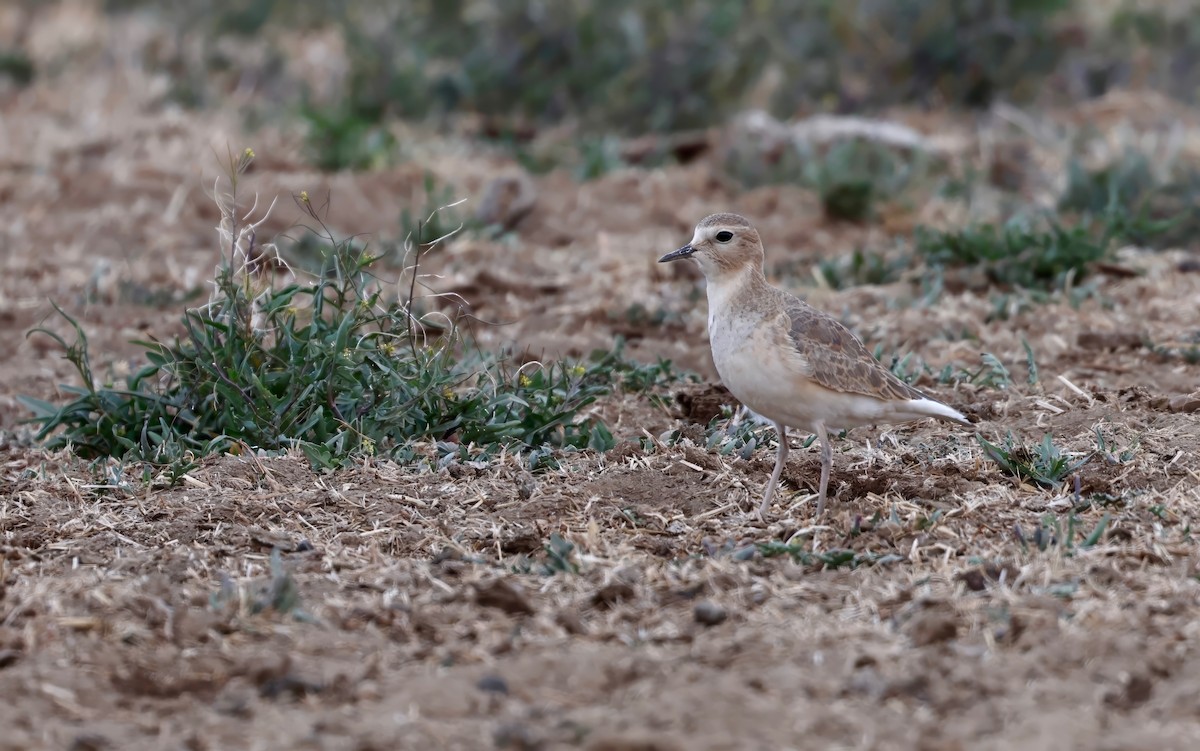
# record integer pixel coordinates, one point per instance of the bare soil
(432, 610)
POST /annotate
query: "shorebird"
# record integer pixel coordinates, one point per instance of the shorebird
(786, 361)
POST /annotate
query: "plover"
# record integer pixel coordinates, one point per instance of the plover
(787, 361)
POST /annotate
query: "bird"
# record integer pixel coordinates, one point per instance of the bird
(786, 361)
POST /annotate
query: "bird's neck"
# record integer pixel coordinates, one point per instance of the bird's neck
(736, 289)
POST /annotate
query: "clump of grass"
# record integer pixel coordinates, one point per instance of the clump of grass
(907, 368)
(991, 373)
(16, 65)
(1051, 533)
(741, 437)
(862, 267)
(854, 175)
(279, 594)
(597, 157)
(1043, 464)
(344, 138)
(330, 365)
(1141, 205)
(1107, 448)
(851, 177)
(437, 220)
(559, 556)
(638, 67)
(1016, 254)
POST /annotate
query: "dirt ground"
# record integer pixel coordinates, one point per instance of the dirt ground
(434, 608)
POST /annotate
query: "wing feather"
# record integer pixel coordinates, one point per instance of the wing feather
(832, 356)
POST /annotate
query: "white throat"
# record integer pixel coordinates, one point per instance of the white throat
(722, 291)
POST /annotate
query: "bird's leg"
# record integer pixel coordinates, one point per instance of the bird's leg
(780, 460)
(826, 463)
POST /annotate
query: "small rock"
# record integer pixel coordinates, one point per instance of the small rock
(493, 684)
(90, 742)
(1185, 403)
(526, 487)
(709, 613)
(507, 200)
(8, 657)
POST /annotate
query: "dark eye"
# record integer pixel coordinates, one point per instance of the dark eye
(724, 236)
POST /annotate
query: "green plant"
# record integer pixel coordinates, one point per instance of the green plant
(905, 368)
(862, 267)
(1043, 465)
(342, 138)
(1050, 533)
(1137, 203)
(278, 594)
(641, 378)
(16, 65)
(1106, 448)
(635, 67)
(1164, 38)
(329, 365)
(727, 436)
(1017, 254)
(991, 373)
(598, 157)
(437, 220)
(1031, 367)
(854, 174)
(559, 557)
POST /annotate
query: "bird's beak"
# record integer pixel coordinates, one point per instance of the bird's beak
(675, 255)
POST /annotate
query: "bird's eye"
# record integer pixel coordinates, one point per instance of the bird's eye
(724, 236)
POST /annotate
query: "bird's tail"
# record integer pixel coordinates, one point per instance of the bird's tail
(926, 407)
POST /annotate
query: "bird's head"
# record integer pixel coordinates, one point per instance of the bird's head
(723, 244)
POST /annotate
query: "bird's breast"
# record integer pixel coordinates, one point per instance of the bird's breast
(749, 363)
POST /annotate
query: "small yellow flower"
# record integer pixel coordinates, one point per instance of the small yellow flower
(304, 196)
(387, 348)
(346, 353)
(368, 446)
(448, 394)
(524, 380)
(578, 370)
(248, 153)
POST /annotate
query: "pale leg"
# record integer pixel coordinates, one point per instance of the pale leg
(780, 460)
(826, 463)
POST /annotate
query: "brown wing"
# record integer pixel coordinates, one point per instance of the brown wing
(836, 359)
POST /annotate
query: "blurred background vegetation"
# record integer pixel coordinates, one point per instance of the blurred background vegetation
(635, 67)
